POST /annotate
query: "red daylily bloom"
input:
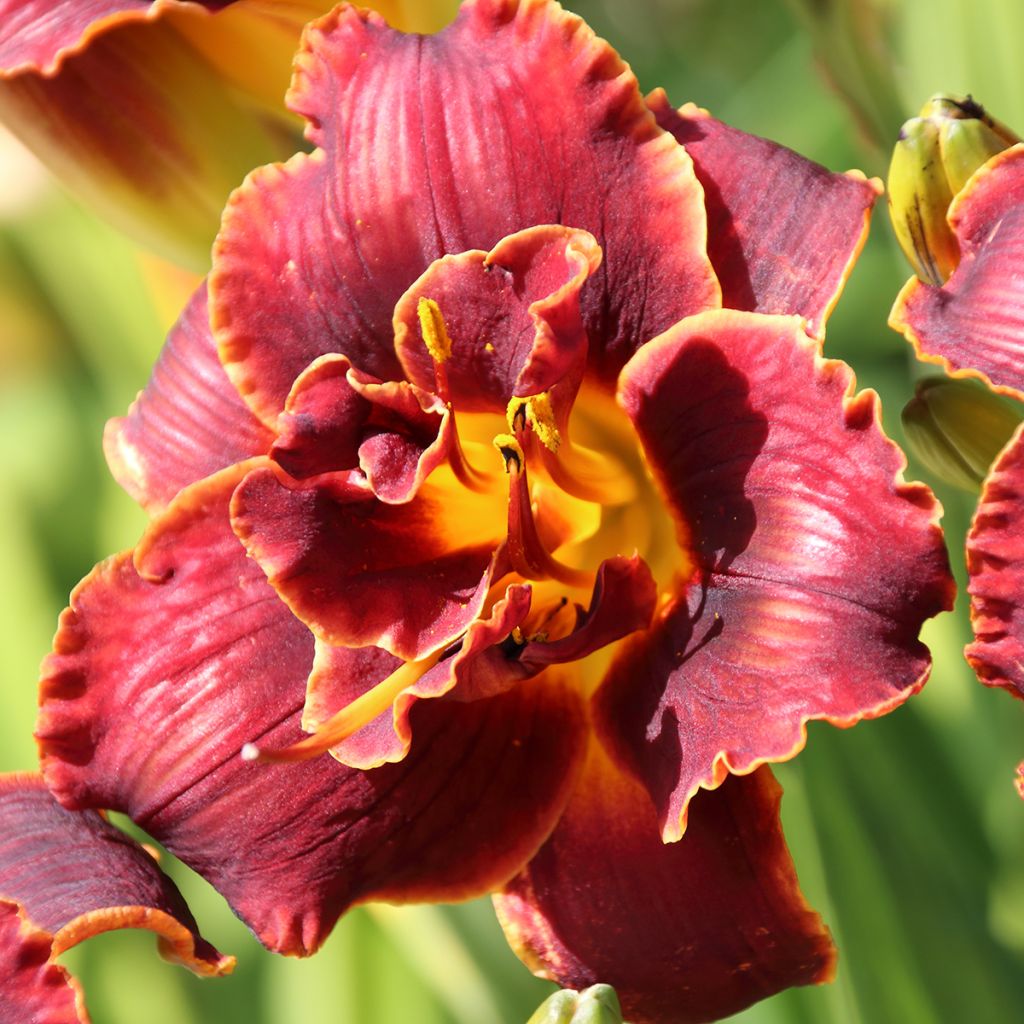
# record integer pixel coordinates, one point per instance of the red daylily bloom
(460, 466)
(974, 326)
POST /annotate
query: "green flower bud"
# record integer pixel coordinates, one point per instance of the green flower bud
(595, 1005)
(956, 428)
(934, 158)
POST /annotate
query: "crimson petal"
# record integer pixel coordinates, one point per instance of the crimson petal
(188, 423)
(408, 578)
(34, 989)
(76, 876)
(337, 418)
(160, 675)
(427, 147)
(995, 563)
(687, 932)
(786, 245)
(815, 564)
(974, 323)
(512, 316)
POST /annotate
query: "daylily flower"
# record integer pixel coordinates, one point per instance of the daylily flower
(460, 471)
(153, 111)
(65, 877)
(973, 326)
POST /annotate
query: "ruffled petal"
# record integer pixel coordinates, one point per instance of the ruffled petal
(408, 578)
(162, 672)
(337, 418)
(75, 875)
(131, 117)
(188, 423)
(426, 148)
(687, 932)
(34, 988)
(974, 323)
(995, 564)
(512, 316)
(785, 244)
(815, 565)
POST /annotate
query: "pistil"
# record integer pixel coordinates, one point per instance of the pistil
(527, 553)
(350, 719)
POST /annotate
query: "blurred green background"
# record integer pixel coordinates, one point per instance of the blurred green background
(907, 832)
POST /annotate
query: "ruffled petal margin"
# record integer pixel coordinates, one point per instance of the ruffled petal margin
(995, 565)
(64, 877)
(974, 324)
(605, 901)
(816, 565)
(428, 149)
(163, 669)
(787, 245)
(188, 423)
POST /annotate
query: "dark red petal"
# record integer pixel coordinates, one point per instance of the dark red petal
(783, 232)
(995, 565)
(814, 565)
(34, 989)
(408, 578)
(188, 423)
(337, 418)
(975, 321)
(686, 932)
(76, 875)
(160, 676)
(429, 147)
(512, 315)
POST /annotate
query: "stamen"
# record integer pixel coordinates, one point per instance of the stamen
(535, 411)
(434, 331)
(527, 554)
(350, 719)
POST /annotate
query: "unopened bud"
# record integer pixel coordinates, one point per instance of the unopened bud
(935, 156)
(595, 1005)
(956, 428)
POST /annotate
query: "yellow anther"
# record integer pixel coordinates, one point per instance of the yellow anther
(540, 416)
(509, 449)
(435, 334)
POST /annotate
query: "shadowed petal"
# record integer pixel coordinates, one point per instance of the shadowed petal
(75, 875)
(162, 673)
(995, 563)
(188, 423)
(428, 148)
(408, 578)
(974, 323)
(604, 900)
(786, 244)
(815, 564)
(338, 418)
(512, 316)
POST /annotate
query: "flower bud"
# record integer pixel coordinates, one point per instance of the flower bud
(595, 1005)
(957, 427)
(935, 156)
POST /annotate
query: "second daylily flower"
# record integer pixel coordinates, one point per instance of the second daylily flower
(476, 479)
